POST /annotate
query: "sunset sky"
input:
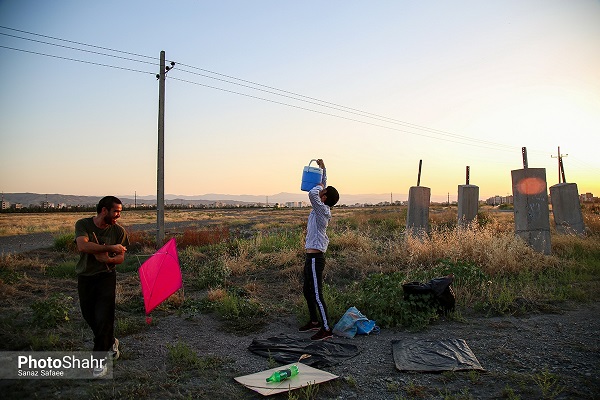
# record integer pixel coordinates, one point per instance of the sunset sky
(262, 87)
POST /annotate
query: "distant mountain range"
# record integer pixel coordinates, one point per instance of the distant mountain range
(27, 199)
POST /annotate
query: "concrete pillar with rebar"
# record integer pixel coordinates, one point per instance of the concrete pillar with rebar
(531, 211)
(417, 217)
(468, 202)
(566, 209)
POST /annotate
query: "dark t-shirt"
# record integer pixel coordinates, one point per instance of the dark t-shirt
(112, 234)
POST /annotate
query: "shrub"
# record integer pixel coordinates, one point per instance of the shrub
(65, 242)
(240, 312)
(52, 311)
(213, 273)
(278, 241)
(63, 270)
(381, 298)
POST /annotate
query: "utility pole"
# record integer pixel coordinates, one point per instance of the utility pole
(561, 168)
(160, 174)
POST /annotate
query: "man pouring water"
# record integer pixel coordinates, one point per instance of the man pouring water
(322, 198)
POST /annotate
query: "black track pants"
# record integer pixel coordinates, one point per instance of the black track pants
(97, 301)
(313, 287)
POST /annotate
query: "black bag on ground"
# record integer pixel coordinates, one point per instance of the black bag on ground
(287, 349)
(439, 289)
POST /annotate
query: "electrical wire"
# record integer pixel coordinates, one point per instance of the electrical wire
(325, 113)
(75, 48)
(284, 93)
(441, 134)
(76, 60)
(360, 113)
(79, 43)
(338, 107)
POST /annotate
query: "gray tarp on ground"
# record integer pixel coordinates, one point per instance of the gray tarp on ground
(288, 349)
(434, 355)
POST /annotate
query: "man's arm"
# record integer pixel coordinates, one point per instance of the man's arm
(85, 246)
(106, 258)
(321, 165)
(102, 252)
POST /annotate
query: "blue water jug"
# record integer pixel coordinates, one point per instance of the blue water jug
(311, 177)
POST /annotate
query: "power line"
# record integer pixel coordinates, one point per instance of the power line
(336, 106)
(324, 113)
(79, 43)
(357, 112)
(441, 134)
(251, 96)
(271, 101)
(76, 60)
(78, 49)
(283, 93)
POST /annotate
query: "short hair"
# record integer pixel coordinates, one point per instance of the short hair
(107, 202)
(332, 196)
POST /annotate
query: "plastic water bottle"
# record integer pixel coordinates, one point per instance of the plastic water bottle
(280, 375)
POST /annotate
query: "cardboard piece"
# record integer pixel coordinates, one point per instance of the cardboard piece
(306, 375)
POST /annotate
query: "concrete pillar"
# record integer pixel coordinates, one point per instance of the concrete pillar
(468, 204)
(417, 218)
(532, 216)
(566, 209)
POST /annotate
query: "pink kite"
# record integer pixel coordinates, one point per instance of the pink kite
(160, 276)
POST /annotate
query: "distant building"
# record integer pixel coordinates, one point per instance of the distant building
(5, 205)
(47, 205)
(497, 200)
(296, 204)
(587, 198)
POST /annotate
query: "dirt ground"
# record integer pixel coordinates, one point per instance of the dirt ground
(533, 357)
(542, 356)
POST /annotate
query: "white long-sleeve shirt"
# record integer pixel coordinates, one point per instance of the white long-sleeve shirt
(318, 219)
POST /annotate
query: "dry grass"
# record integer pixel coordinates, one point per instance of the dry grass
(363, 241)
(489, 243)
(203, 237)
(495, 252)
(214, 295)
(591, 218)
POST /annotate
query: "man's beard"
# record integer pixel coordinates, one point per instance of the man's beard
(108, 220)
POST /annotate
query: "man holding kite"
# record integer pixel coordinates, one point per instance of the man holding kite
(102, 244)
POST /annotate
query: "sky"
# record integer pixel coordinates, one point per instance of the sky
(260, 88)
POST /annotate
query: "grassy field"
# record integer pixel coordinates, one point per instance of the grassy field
(242, 265)
(236, 255)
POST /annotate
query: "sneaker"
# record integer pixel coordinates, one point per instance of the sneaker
(322, 335)
(310, 326)
(115, 350)
(99, 372)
